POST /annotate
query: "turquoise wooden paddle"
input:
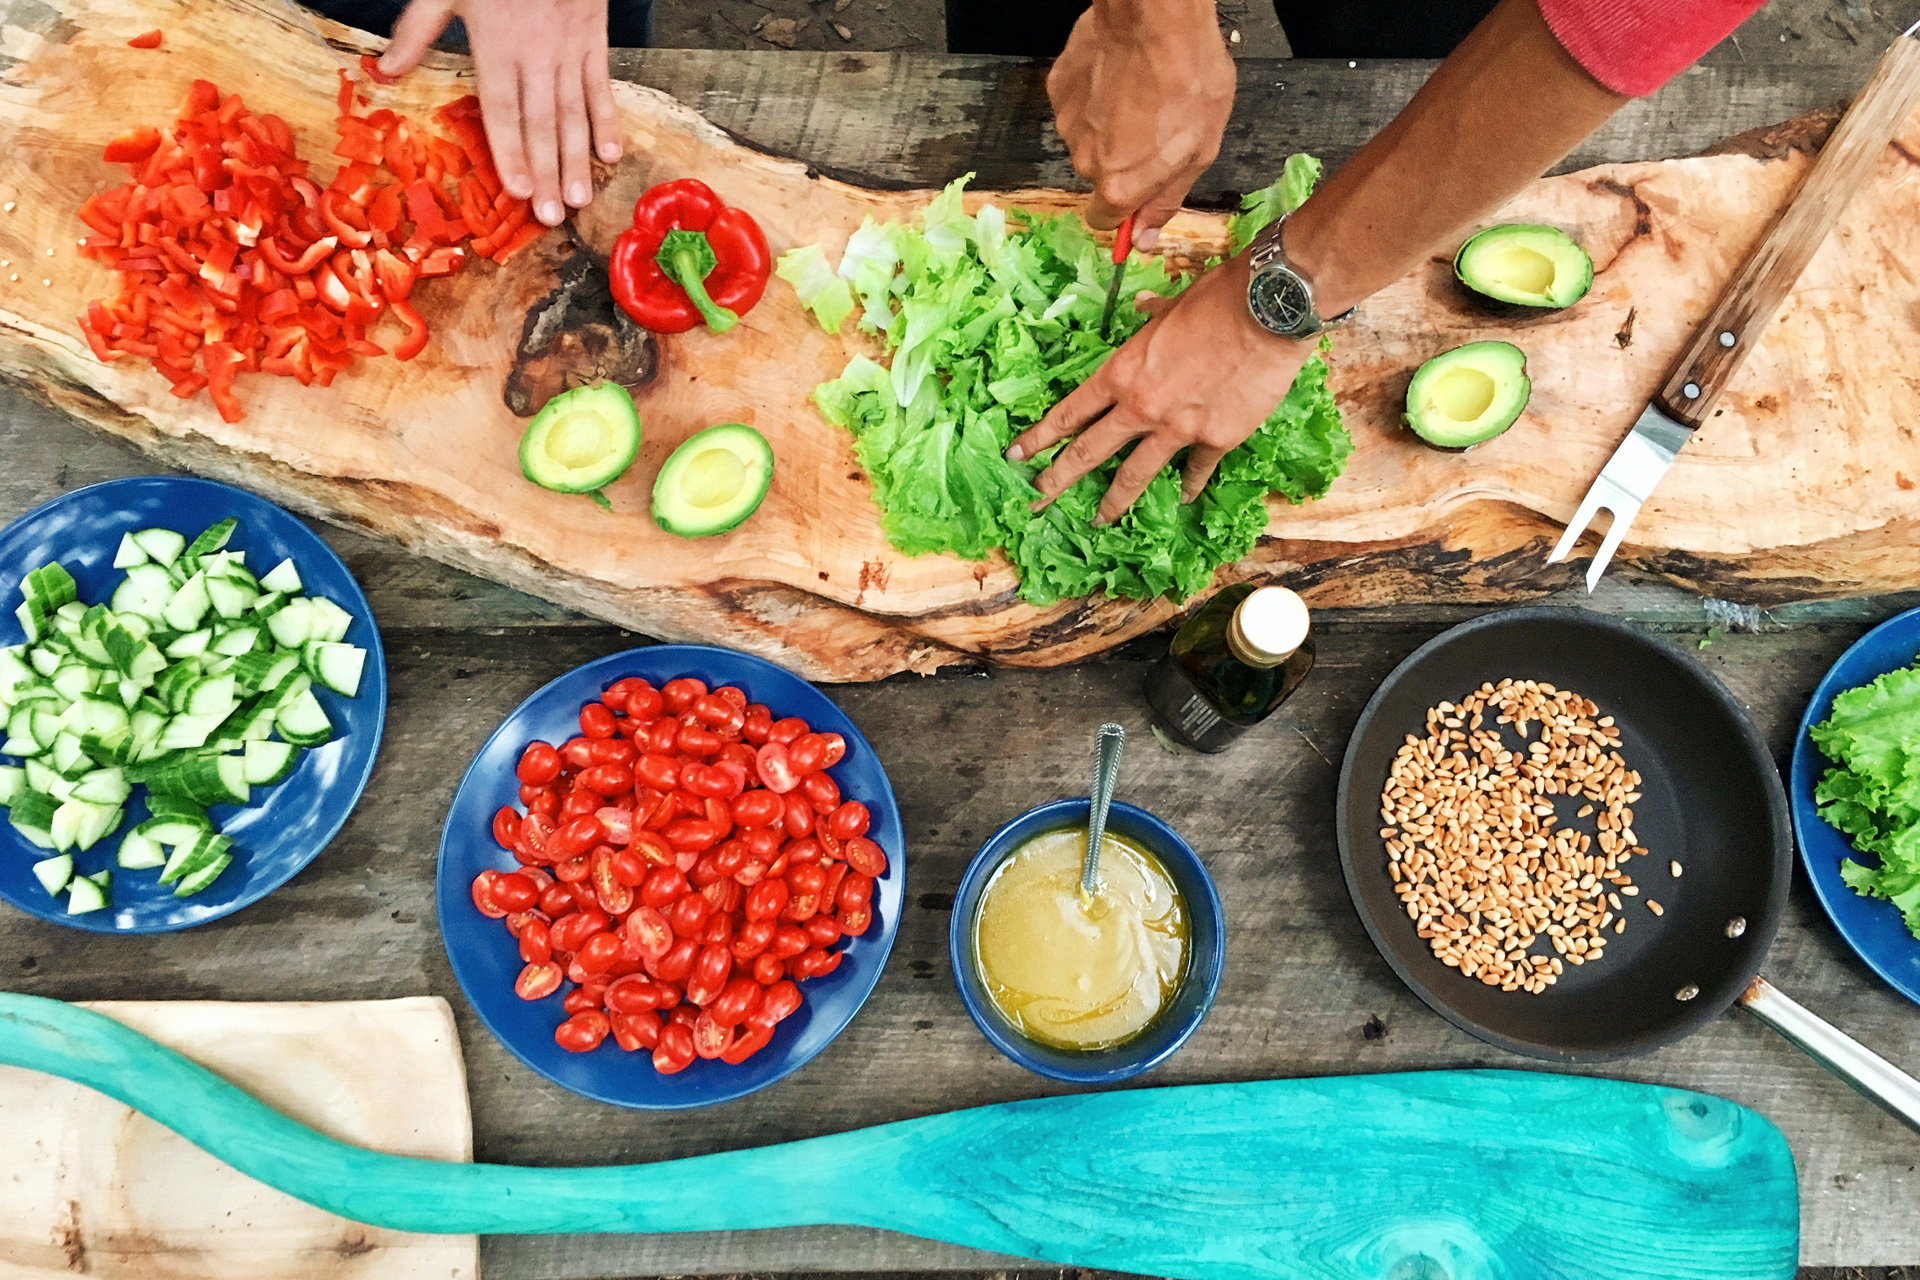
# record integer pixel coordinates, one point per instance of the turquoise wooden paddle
(1440, 1175)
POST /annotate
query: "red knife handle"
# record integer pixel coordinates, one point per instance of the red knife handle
(1123, 240)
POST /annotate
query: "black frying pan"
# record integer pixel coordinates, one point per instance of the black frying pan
(1711, 798)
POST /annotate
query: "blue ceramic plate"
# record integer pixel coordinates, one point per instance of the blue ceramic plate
(287, 825)
(1871, 927)
(487, 960)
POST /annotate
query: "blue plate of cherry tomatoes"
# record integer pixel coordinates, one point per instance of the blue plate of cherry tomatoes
(671, 877)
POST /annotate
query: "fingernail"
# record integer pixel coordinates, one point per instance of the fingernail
(386, 68)
(1148, 238)
(609, 151)
(551, 213)
(579, 194)
(1016, 454)
(518, 187)
(1101, 520)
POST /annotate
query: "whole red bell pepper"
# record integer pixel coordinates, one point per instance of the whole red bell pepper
(688, 257)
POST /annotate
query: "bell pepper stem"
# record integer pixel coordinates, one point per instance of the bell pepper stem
(687, 258)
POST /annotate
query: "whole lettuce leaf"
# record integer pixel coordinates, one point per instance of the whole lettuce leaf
(990, 319)
(1873, 795)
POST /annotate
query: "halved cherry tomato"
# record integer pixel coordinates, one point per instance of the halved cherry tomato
(539, 764)
(849, 820)
(662, 886)
(687, 914)
(822, 792)
(776, 770)
(614, 895)
(806, 878)
(739, 998)
(766, 899)
(598, 952)
(506, 826)
(866, 857)
(752, 939)
(513, 891)
(780, 1001)
(612, 751)
(757, 808)
(788, 941)
(569, 932)
(756, 724)
(836, 749)
(821, 929)
(709, 975)
(536, 945)
(785, 731)
(855, 891)
(750, 1042)
(635, 1031)
(537, 981)
(649, 932)
(580, 803)
(674, 1052)
(482, 891)
(575, 838)
(596, 721)
(808, 752)
(583, 1032)
(607, 779)
(768, 970)
(680, 694)
(800, 853)
(854, 920)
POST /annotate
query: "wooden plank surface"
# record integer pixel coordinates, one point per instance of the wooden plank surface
(1304, 992)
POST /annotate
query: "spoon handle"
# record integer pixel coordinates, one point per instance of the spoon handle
(1106, 771)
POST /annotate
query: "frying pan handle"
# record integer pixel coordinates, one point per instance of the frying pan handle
(1837, 1051)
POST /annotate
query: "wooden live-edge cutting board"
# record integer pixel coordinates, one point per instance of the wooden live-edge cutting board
(1803, 485)
(89, 1187)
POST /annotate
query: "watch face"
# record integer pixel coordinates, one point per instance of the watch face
(1280, 301)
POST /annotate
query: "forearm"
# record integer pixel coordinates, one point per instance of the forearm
(1504, 108)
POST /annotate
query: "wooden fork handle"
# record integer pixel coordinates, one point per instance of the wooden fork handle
(1735, 324)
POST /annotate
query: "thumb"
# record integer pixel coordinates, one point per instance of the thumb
(1102, 214)
(1155, 213)
(414, 32)
(1152, 303)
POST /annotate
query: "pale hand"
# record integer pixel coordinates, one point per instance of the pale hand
(1141, 100)
(544, 93)
(1201, 374)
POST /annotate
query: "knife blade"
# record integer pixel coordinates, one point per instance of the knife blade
(1122, 246)
(1723, 341)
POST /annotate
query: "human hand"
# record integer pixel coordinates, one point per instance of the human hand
(1141, 96)
(1201, 374)
(544, 93)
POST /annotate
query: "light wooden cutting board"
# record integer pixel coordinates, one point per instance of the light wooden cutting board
(1804, 484)
(89, 1187)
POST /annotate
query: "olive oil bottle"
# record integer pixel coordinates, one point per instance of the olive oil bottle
(1232, 664)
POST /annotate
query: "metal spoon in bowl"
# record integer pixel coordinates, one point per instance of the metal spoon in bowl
(1107, 744)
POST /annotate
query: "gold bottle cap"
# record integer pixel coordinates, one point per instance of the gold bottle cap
(1268, 627)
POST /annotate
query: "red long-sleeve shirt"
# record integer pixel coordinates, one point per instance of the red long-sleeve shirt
(1635, 46)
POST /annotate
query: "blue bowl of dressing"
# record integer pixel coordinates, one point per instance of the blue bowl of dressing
(1206, 947)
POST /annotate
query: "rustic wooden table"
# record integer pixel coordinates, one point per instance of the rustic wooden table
(1304, 992)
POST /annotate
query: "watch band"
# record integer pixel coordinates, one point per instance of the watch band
(1266, 254)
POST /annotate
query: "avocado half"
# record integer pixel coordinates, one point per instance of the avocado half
(581, 439)
(1468, 395)
(1528, 265)
(713, 481)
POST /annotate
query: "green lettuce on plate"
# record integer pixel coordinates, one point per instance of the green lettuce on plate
(1873, 794)
(989, 320)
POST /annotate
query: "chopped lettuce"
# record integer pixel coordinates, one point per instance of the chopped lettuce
(989, 320)
(1259, 208)
(1873, 795)
(821, 291)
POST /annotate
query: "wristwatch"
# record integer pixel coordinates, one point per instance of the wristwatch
(1279, 297)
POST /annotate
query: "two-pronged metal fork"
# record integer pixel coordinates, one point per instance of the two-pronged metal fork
(1733, 328)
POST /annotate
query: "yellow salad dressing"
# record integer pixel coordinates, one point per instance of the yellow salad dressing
(1080, 975)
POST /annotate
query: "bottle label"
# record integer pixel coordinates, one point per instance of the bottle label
(1197, 719)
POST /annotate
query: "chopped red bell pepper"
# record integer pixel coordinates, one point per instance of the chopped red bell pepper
(133, 146)
(687, 257)
(146, 40)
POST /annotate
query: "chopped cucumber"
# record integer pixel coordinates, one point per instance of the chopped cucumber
(188, 605)
(230, 598)
(270, 762)
(214, 538)
(161, 805)
(304, 723)
(13, 780)
(32, 816)
(83, 895)
(194, 881)
(55, 873)
(191, 644)
(336, 665)
(236, 642)
(292, 626)
(195, 856)
(163, 546)
(139, 853)
(129, 553)
(173, 832)
(103, 786)
(283, 577)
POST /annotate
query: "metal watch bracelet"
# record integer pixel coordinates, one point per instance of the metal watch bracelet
(1279, 296)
